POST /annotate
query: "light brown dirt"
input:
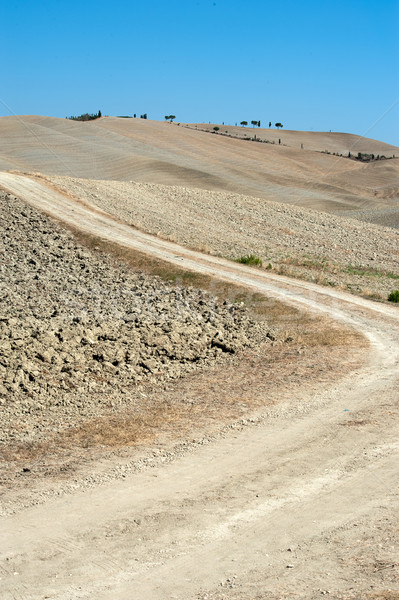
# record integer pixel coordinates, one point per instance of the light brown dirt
(149, 151)
(301, 504)
(328, 249)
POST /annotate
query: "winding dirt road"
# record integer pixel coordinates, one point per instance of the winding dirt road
(301, 505)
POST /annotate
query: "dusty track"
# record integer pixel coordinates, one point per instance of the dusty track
(321, 482)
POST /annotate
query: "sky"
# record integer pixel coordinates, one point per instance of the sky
(311, 65)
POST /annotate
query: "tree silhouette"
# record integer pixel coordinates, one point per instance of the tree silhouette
(244, 123)
(278, 125)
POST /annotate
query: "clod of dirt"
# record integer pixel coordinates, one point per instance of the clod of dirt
(79, 332)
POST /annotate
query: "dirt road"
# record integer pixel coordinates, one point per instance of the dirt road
(301, 505)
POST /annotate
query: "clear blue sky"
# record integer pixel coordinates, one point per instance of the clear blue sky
(313, 65)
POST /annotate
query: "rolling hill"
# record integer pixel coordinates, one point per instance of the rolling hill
(193, 156)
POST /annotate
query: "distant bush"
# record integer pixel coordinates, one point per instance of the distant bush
(86, 117)
(250, 259)
(364, 157)
(216, 128)
(394, 296)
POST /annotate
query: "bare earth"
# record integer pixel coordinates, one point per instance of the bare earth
(301, 503)
(323, 248)
(162, 153)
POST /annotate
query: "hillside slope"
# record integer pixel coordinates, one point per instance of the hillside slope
(326, 248)
(318, 141)
(155, 152)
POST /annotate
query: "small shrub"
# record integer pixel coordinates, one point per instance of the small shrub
(250, 259)
(394, 296)
(86, 117)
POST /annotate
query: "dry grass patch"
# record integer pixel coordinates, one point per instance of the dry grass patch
(139, 261)
(125, 429)
(363, 281)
